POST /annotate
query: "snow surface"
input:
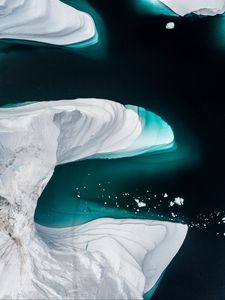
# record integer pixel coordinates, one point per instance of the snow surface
(200, 7)
(46, 21)
(102, 259)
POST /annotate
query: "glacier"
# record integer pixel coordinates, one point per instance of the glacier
(101, 259)
(51, 22)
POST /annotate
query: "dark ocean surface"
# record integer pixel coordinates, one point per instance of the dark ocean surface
(178, 74)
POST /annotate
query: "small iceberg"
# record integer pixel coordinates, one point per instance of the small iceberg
(103, 258)
(50, 22)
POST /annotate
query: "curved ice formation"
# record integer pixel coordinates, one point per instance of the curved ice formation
(137, 260)
(104, 258)
(46, 21)
(200, 7)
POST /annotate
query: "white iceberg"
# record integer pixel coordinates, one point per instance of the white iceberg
(102, 259)
(45, 21)
(137, 251)
(200, 7)
(170, 25)
(179, 201)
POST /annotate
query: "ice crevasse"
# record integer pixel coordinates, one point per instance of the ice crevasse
(102, 259)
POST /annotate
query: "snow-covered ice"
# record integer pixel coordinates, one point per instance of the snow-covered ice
(200, 7)
(46, 21)
(102, 259)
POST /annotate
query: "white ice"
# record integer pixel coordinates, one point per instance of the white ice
(102, 259)
(46, 21)
(170, 25)
(200, 7)
(179, 201)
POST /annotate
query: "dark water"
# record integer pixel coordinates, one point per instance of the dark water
(178, 74)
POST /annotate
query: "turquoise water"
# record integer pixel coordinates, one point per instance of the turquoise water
(85, 190)
(154, 7)
(82, 191)
(16, 104)
(154, 130)
(80, 45)
(179, 74)
(71, 199)
(150, 293)
(217, 33)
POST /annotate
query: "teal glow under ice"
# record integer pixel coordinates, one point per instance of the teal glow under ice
(77, 30)
(156, 133)
(154, 7)
(61, 205)
(149, 294)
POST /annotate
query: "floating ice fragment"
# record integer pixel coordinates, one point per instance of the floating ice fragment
(141, 204)
(223, 219)
(179, 201)
(171, 203)
(170, 25)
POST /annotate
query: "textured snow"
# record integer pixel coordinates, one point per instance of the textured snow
(200, 7)
(47, 21)
(102, 259)
(136, 250)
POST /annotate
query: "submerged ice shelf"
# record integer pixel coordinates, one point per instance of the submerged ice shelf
(82, 261)
(51, 22)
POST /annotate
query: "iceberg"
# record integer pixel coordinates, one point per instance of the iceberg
(176, 8)
(137, 251)
(200, 7)
(104, 258)
(51, 22)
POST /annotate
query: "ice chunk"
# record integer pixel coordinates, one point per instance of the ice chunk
(179, 201)
(170, 25)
